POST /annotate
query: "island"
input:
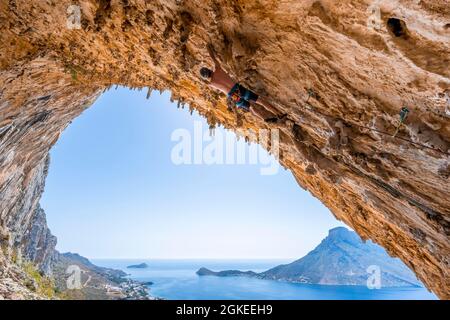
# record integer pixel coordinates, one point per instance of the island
(142, 265)
(226, 273)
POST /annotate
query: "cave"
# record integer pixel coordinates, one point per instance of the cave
(397, 27)
(390, 189)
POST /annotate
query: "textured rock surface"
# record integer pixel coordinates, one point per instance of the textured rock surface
(25, 237)
(387, 189)
(38, 244)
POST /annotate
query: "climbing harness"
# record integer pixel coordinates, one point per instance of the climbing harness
(242, 97)
(235, 94)
(403, 114)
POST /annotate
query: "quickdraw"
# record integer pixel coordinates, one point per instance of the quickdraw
(403, 114)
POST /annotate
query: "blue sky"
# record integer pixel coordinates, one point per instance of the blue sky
(114, 192)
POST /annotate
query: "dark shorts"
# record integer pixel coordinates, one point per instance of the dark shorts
(242, 96)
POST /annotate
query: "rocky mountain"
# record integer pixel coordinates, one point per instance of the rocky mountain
(342, 258)
(27, 247)
(38, 243)
(36, 270)
(95, 283)
(340, 70)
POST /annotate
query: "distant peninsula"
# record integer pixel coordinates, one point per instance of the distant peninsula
(342, 258)
(142, 265)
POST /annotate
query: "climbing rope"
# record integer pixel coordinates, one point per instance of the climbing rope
(404, 139)
(403, 114)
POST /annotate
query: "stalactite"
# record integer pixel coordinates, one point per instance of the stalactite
(149, 93)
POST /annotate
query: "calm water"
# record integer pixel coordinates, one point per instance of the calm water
(176, 279)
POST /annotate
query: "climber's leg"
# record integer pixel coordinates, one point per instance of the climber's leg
(259, 107)
(262, 113)
(262, 102)
(254, 109)
(250, 96)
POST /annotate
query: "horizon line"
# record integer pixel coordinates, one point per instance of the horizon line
(188, 258)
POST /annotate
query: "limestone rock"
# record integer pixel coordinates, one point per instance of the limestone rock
(363, 60)
(39, 244)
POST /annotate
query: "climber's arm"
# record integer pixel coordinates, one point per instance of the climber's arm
(213, 56)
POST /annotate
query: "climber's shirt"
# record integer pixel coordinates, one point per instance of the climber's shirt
(242, 96)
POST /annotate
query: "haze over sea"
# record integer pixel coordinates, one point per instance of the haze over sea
(176, 279)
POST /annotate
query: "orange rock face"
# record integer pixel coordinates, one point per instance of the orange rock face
(360, 61)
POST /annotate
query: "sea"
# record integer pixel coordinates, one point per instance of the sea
(177, 280)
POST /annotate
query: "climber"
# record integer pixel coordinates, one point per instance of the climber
(241, 96)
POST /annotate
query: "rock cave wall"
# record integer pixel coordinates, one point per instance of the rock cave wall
(341, 70)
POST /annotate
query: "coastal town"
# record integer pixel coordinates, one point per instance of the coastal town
(129, 290)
